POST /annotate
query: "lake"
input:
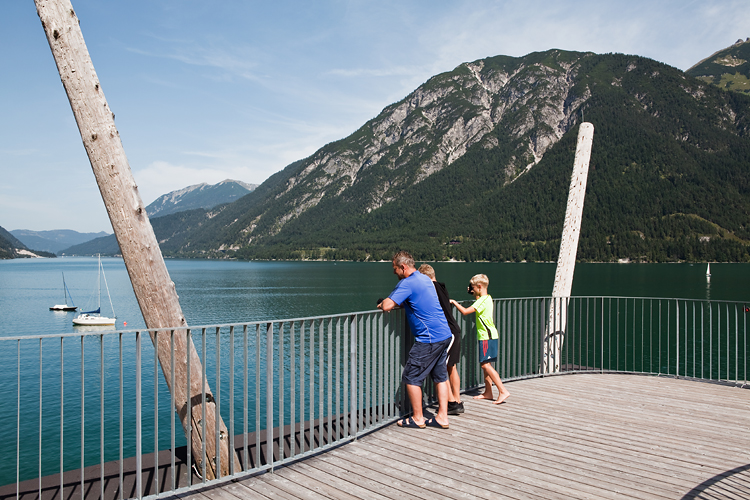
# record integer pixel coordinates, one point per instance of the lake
(218, 292)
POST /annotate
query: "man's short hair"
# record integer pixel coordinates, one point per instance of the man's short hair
(480, 279)
(403, 257)
(427, 270)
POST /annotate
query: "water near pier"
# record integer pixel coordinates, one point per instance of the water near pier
(214, 292)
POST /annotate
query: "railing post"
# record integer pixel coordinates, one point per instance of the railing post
(353, 418)
(269, 395)
(677, 337)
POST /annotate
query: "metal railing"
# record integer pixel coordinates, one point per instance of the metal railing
(92, 417)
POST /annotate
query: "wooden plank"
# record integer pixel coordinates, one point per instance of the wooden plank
(360, 486)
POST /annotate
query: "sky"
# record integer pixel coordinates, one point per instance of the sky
(206, 91)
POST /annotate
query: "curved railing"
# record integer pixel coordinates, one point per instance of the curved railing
(91, 414)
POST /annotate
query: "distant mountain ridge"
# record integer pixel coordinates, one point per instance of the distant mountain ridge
(199, 196)
(12, 248)
(54, 240)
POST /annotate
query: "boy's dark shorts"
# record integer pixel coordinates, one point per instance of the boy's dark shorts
(454, 353)
(427, 359)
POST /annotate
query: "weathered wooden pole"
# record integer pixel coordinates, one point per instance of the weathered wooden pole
(566, 260)
(152, 285)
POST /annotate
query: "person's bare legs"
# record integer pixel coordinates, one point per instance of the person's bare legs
(454, 394)
(499, 383)
(415, 398)
(487, 394)
(443, 388)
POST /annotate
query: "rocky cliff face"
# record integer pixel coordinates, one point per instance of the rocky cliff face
(532, 97)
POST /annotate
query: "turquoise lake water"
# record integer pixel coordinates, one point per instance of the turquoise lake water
(214, 292)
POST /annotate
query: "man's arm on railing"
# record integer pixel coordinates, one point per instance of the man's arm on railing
(387, 305)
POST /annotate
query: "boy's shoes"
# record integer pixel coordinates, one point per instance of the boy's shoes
(455, 408)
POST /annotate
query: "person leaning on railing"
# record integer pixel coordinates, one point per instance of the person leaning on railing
(416, 294)
(455, 405)
(486, 334)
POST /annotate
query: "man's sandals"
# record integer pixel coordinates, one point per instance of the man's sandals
(409, 423)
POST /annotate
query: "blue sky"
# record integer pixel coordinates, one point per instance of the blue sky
(205, 91)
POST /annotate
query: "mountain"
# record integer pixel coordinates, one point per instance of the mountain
(55, 240)
(12, 248)
(8, 245)
(728, 68)
(199, 196)
(475, 164)
(177, 206)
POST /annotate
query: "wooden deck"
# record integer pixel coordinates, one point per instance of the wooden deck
(579, 436)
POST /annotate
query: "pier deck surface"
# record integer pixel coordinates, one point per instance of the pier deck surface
(595, 436)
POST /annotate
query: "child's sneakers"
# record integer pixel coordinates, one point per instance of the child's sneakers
(455, 408)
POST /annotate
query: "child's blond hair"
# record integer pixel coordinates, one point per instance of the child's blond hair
(480, 279)
(427, 270)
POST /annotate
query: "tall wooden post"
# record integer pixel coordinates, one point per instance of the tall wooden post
(566, 261)
(152, 285)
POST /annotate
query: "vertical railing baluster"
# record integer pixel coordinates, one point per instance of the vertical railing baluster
(39, 472)
(280, 371)
(338, 378)
(736, 344)
(677, 337)
(346, 368)
(101, 417)
(172, 401)
(302, 357)
(83, 418)
(321, 371)
(156, 482)
(710, 342)
(18, 423)
(204, 360)
(189, 409)
(257, 396)
(353, 420)
(230, 455)
(217, 406)
(367, 372)
(122, 428)
(138, 429)
(245, 390)
(269, 395)
(293, 391)
(330, 380)
(311, 375)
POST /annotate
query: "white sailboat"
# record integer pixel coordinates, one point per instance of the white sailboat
(65, 306)
(94, 318)
(708, 270)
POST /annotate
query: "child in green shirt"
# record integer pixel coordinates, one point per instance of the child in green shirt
(486, 335)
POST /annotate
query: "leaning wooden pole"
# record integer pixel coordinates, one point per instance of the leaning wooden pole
(152, 285)
(566, 261)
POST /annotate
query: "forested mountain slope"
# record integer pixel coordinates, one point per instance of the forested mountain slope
(475, 164)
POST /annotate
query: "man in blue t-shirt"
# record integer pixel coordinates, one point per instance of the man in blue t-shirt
(429, 355)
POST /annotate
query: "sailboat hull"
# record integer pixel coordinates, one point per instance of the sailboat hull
(63, 308)
(90, 320)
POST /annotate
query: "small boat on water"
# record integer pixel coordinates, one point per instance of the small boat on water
(708, 270)
(66, 306)
(94, 318)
